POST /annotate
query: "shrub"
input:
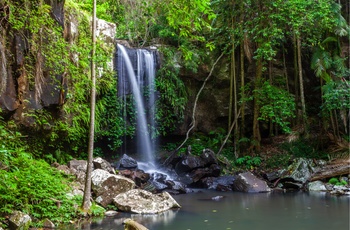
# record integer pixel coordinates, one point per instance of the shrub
(35, 188)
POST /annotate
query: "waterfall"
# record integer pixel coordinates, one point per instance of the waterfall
(136, 76)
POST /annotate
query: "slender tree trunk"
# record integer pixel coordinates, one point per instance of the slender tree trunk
(256, 131)
(285, 72)
(87, 191)
(242, 128)
(271, 82)
(231, 86)
(242, 91)
(296, 82)
(301, 84)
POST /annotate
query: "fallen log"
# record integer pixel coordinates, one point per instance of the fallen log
(130, 224)
(332, 170)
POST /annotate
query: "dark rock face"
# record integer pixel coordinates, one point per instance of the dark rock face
(16, 96)
(222, 183)
(127, 162)
(139, 176)
(247, 182)
(187, 164)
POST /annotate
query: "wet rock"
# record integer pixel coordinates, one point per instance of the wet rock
(222, 183)
(138, 176)
(340, 190)
(19, 221)
(106, 186)
(175, 187)
(133, 225)
(247, 182)
(8, 94)
(301, 170)
(127, 162)
(111, 213)
(212, 171)
(317, 186)
(144, 202)
(292, 185)
(100, 163)
(217, 198)
(208, 157)
(159, 186)
(272, 176)
(188, 163)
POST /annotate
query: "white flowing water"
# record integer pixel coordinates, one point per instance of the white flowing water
(144, 77)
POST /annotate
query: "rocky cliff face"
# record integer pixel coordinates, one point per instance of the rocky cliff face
(27, 82)
(23, 90)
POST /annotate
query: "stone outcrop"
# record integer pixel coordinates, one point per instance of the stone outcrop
(221, 183)
(247, 182)
(20, 95)
(106, 186)
(144, 202)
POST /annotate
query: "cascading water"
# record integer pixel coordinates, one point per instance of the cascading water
(139, 82)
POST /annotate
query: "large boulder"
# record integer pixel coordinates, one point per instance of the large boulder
(297, 174)
(106, 186)
(247, 182)
(189, 163)
(144, 202)
(317, 186)
(300, 170)
(19, 221)
(127, 162)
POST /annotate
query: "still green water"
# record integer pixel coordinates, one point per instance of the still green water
(242, 211)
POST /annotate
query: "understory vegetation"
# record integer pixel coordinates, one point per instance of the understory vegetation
(286, 62)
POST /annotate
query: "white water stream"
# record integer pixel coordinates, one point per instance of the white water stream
(143, 78)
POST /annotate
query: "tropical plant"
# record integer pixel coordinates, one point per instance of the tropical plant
(276, 105)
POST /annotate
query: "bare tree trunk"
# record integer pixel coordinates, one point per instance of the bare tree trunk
(301, 84)
(256, 131)
(296, 82)
(232, 73)
(285, 69)
(242, 91)
(87, 191)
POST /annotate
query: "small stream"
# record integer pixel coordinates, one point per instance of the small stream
(240, 211)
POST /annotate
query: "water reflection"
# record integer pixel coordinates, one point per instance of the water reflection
(243, 211)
